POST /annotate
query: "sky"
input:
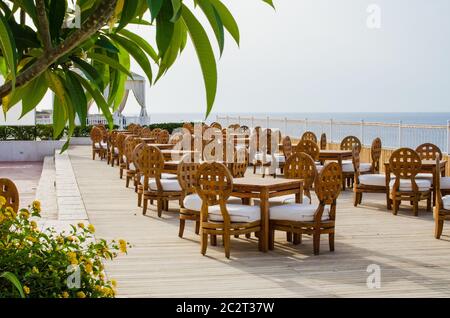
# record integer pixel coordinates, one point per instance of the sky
(318, 56)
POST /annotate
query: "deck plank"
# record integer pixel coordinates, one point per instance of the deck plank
(413, 263)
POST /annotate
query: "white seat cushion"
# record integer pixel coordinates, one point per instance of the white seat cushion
(193, 202)
(446, 201)
(428, 176)
(303, 212)
(237, 212)
(104, 144)
(445, 183)
(363, 167)
(268, 158)
(167, 185)
(405, 184)
(373, 180)
(319, 168)
(163, 176)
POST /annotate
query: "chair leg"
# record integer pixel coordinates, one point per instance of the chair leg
(159, 205)
(388, 201)
(213, 240)
(127, 182)
(343, 184)
(416, 207)
(395, 204)
(297, 239)
(439, 226)
(316, 242)
(254, 169)
(355, 199)
(197, 227)
(121, 173)
(226, 245)
(139, 196)
(360, 197)
(144, 208)
(93, 155)
(248, 235)
(331, 241)
(271, 239)
(181, 229)
(289, 236)
(429, 204)
(204, 243)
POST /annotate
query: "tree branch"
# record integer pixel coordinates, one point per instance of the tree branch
(96, 21)
(43, 28)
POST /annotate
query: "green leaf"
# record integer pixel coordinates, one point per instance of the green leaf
(129, 12)
(60, 102)
(89, 71)
(215, 21)
(164, 28)
(35, 91)
(29, 7)
(227, 19)
(174, 48)
(98, 98)
(78, 96)
(136, 52)
(8, 48)
(119, 91)
(57, 13)
(269, 2)
(14, 281)
(106, 44)
(176, 5)
(143, 44)
(205, 55)
(109, 61)
(154, 7)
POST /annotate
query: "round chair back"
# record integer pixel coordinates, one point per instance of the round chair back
(9, 191)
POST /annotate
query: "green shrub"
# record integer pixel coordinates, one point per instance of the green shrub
(168, 126)
(43, 261)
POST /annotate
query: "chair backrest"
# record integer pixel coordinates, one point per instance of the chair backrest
(163, 137)
(349, 142)
(187, 174)
(375, 153)
(328, 183)
(214, 184)
(176, 138)
(301, 166)
(245, 130)
(130, 144)
(8, 190)
(429, 151)
(287, 146)
(240, 163)
(96, 136)
(216, 125)
(309, 135)
(234, 126)
(323, 141)
(137, 130)
(146, 132)
(120, 143)
(405, 163)
(130, 127)
(356, 162)
(189, 127)
(150, 162)
(113, 138)
(437, 186)
(309, 147)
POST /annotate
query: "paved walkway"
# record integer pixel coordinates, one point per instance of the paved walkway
(412, 262)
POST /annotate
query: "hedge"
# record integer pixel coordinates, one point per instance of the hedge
(45, 132)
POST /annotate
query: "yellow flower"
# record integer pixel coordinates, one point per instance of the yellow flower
(31, 239)
(9, 212)
(2, 201)
(81, 225)
(114, 283)
(88, 268)
(123, 246)
(24, 214)
(33, 224)
(36, 206)
(26, 290)
(65, 295)
(80, 294)
(91, 228)
(35, 270)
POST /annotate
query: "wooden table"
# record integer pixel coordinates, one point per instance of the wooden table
(161, 146)
(338, 155)
(169, 153)
(428, 166)
(264, 189)
(148, 139)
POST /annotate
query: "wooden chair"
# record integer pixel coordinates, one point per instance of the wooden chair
(150, 163)
(189, 127)
(239, 165)
(266, 156)
(234, 126)
(114, 151)
(442, 207)
(368, 183)
(245, 130)
(9, 191)
(176, 138)
(323, 141)
(309, 135)
(348, 143)
(146, 133)
(130, 127)
(191, 203)
(310, 219)
(214, 184)
(375, 154)
(309, 147)
(216, 125)
(98, 147)
(428, 151)
(405, 164)
(130, 144)
(287, 147)
(120, 144)
(163, 137)
(301, 166)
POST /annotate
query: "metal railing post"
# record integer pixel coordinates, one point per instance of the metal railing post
(285, 126)
(362, 131)
(253, 122)
(448, 137)
(228, 120)
(217, 118)
(268, 122)
(239, 120)
(306, 124)
(331, 130)
(400, 137)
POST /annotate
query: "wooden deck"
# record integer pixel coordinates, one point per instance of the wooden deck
(160, 264)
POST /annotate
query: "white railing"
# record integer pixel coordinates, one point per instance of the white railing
(393, 135)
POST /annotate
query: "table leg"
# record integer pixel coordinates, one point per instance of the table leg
(299, 195)
(264, 206)
(342, 176)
